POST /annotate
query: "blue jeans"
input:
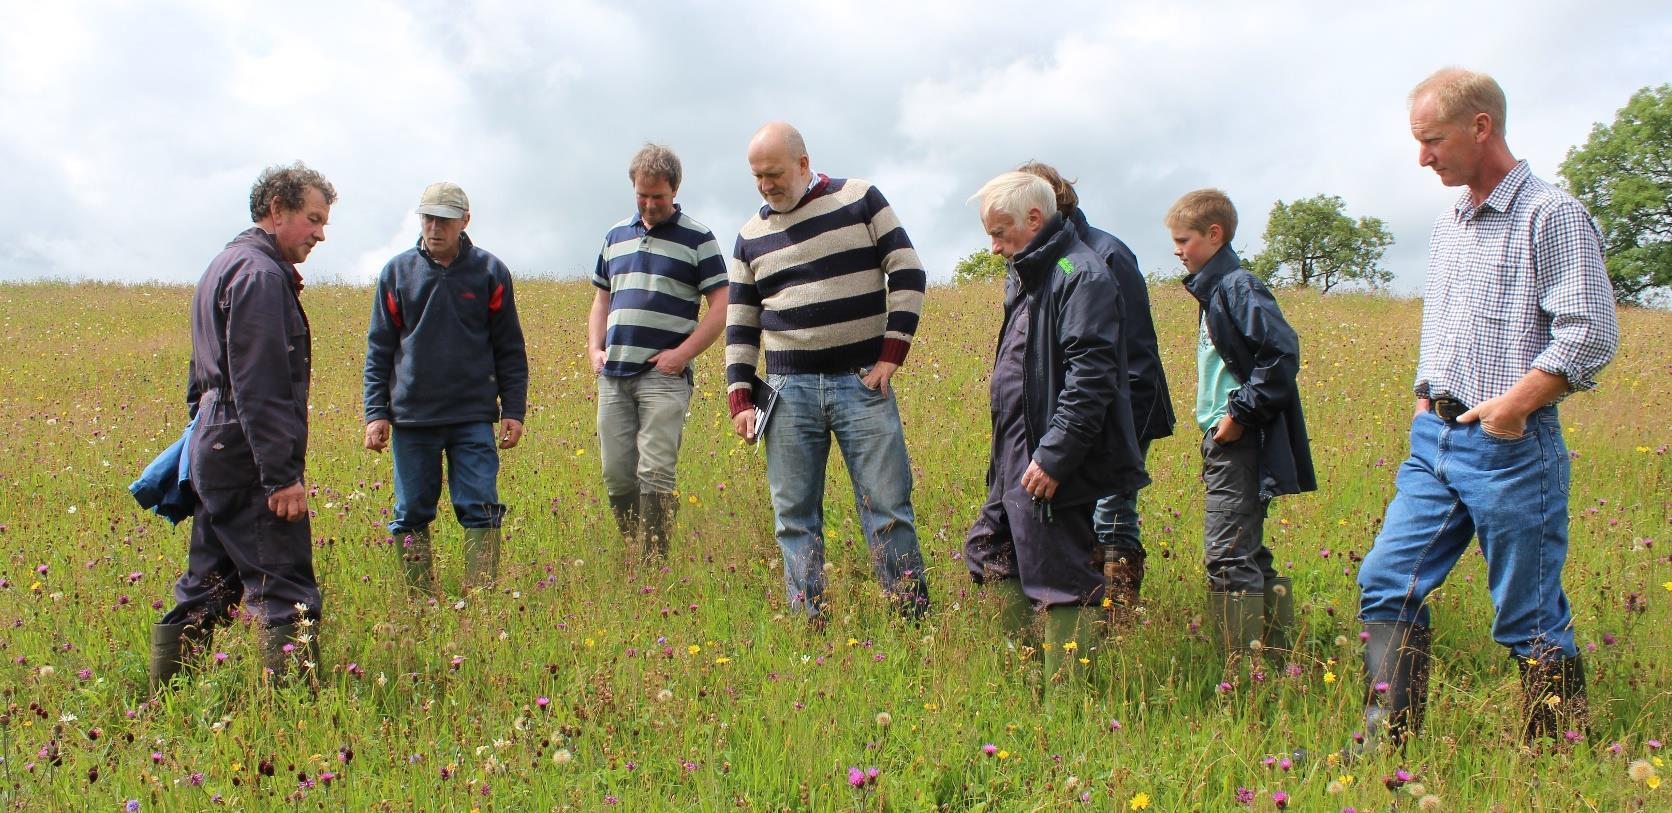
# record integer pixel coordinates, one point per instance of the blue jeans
(810, 408)
(1510, 494)
(1115, 519)
(472, 475)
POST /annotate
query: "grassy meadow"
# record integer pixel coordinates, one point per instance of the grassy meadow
(589, 681)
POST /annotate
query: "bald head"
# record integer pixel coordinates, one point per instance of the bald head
(778, 160)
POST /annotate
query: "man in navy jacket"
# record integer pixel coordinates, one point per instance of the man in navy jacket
(444, 360)
(248, 393)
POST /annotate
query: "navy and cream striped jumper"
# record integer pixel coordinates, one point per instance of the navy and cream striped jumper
(655, 278)
(831, 285)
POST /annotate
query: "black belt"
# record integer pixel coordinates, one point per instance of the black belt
(1448, 409)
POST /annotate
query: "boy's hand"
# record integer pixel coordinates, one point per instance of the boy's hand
(1227, 431)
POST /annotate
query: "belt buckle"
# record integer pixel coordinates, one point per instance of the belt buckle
(1449, 409)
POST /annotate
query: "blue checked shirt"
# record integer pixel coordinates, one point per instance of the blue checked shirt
(1515, 283)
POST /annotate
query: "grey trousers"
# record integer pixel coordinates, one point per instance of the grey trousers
(240, 550)
(640, 421)
(1233, 543)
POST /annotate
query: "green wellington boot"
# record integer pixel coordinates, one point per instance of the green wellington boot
(1280, 618)
(481, 557)
(625, 508)
(1071, 636)
(287, 648)
(656, 513)
(1237, 622)
(417, 561)
(173, 648)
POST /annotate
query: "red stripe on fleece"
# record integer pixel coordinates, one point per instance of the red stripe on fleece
(394, 309)
(497, 300)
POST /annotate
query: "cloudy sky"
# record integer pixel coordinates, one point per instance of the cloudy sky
(131, 131)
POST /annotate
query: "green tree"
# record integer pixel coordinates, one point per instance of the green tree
(979, 265)
(1313, 242)
(1623, 174)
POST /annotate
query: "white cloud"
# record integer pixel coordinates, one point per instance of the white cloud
(133, 130)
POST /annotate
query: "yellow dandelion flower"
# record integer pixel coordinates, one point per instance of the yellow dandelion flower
(580, 452)
(1657, 761)
(1329, 677)
(1004, 755)
(693, 499)
(693, 649)
(1342, 522)
(1333, 758)
(1668, 587)
(722, 659)
(853, 642)
(1139, 802)
(1654, 782)
(590, 642)
(1070, 646)
(1085, 661)
(1108, 602)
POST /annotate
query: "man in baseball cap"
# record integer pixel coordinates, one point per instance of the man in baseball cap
(444, 360)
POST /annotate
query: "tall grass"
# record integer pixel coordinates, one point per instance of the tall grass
(684, 687)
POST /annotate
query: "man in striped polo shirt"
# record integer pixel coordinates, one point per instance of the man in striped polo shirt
(825, 280)
(641, 336)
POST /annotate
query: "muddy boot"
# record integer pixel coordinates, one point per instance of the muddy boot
(1396, 658)
(1015, 611)
(417, 561)
(290, 650)
(1553, 697)
(1280, 618)
(481, 557)
(1237, 622)
(625, 508)
(173, 648)
(656, 512)
(1123, 570)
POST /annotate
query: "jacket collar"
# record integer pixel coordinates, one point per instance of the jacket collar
(1202, 283)
(464, 249)
(1034, 264)
(257, 238)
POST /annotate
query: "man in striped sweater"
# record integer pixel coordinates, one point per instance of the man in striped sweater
(825, 280)
(642, 334)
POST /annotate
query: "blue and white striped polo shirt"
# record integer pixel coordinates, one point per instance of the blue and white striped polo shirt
(656, 279)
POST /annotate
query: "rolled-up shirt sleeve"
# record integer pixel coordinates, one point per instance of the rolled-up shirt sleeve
(1574, 290)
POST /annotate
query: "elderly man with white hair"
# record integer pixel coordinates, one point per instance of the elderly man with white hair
(1062, 424)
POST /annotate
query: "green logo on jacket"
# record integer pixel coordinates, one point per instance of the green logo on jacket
(1066, 266)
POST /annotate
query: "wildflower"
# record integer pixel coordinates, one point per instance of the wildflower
(1139, 802)
(664, 696)
(132, 806)
(990, 749)
(1004, 755)
(1280, 799)
(1416, 789)
(1224, 688)
(562, 756)
(1652, 782)
(1654, 745)
(693, 649)
(1114, 725)
(871, 774)
(1070, 646)
(722, 660)
(1429, 802)
(884, 718)
(856, 777)
(1335, 788)
(1640, 770)
(1245, 796)
(542, 701)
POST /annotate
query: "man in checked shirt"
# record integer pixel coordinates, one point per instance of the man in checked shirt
(1517, 313)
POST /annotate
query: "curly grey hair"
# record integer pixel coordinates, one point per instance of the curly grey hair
(290, 185)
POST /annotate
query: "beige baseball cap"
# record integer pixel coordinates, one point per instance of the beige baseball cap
(444, 199)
